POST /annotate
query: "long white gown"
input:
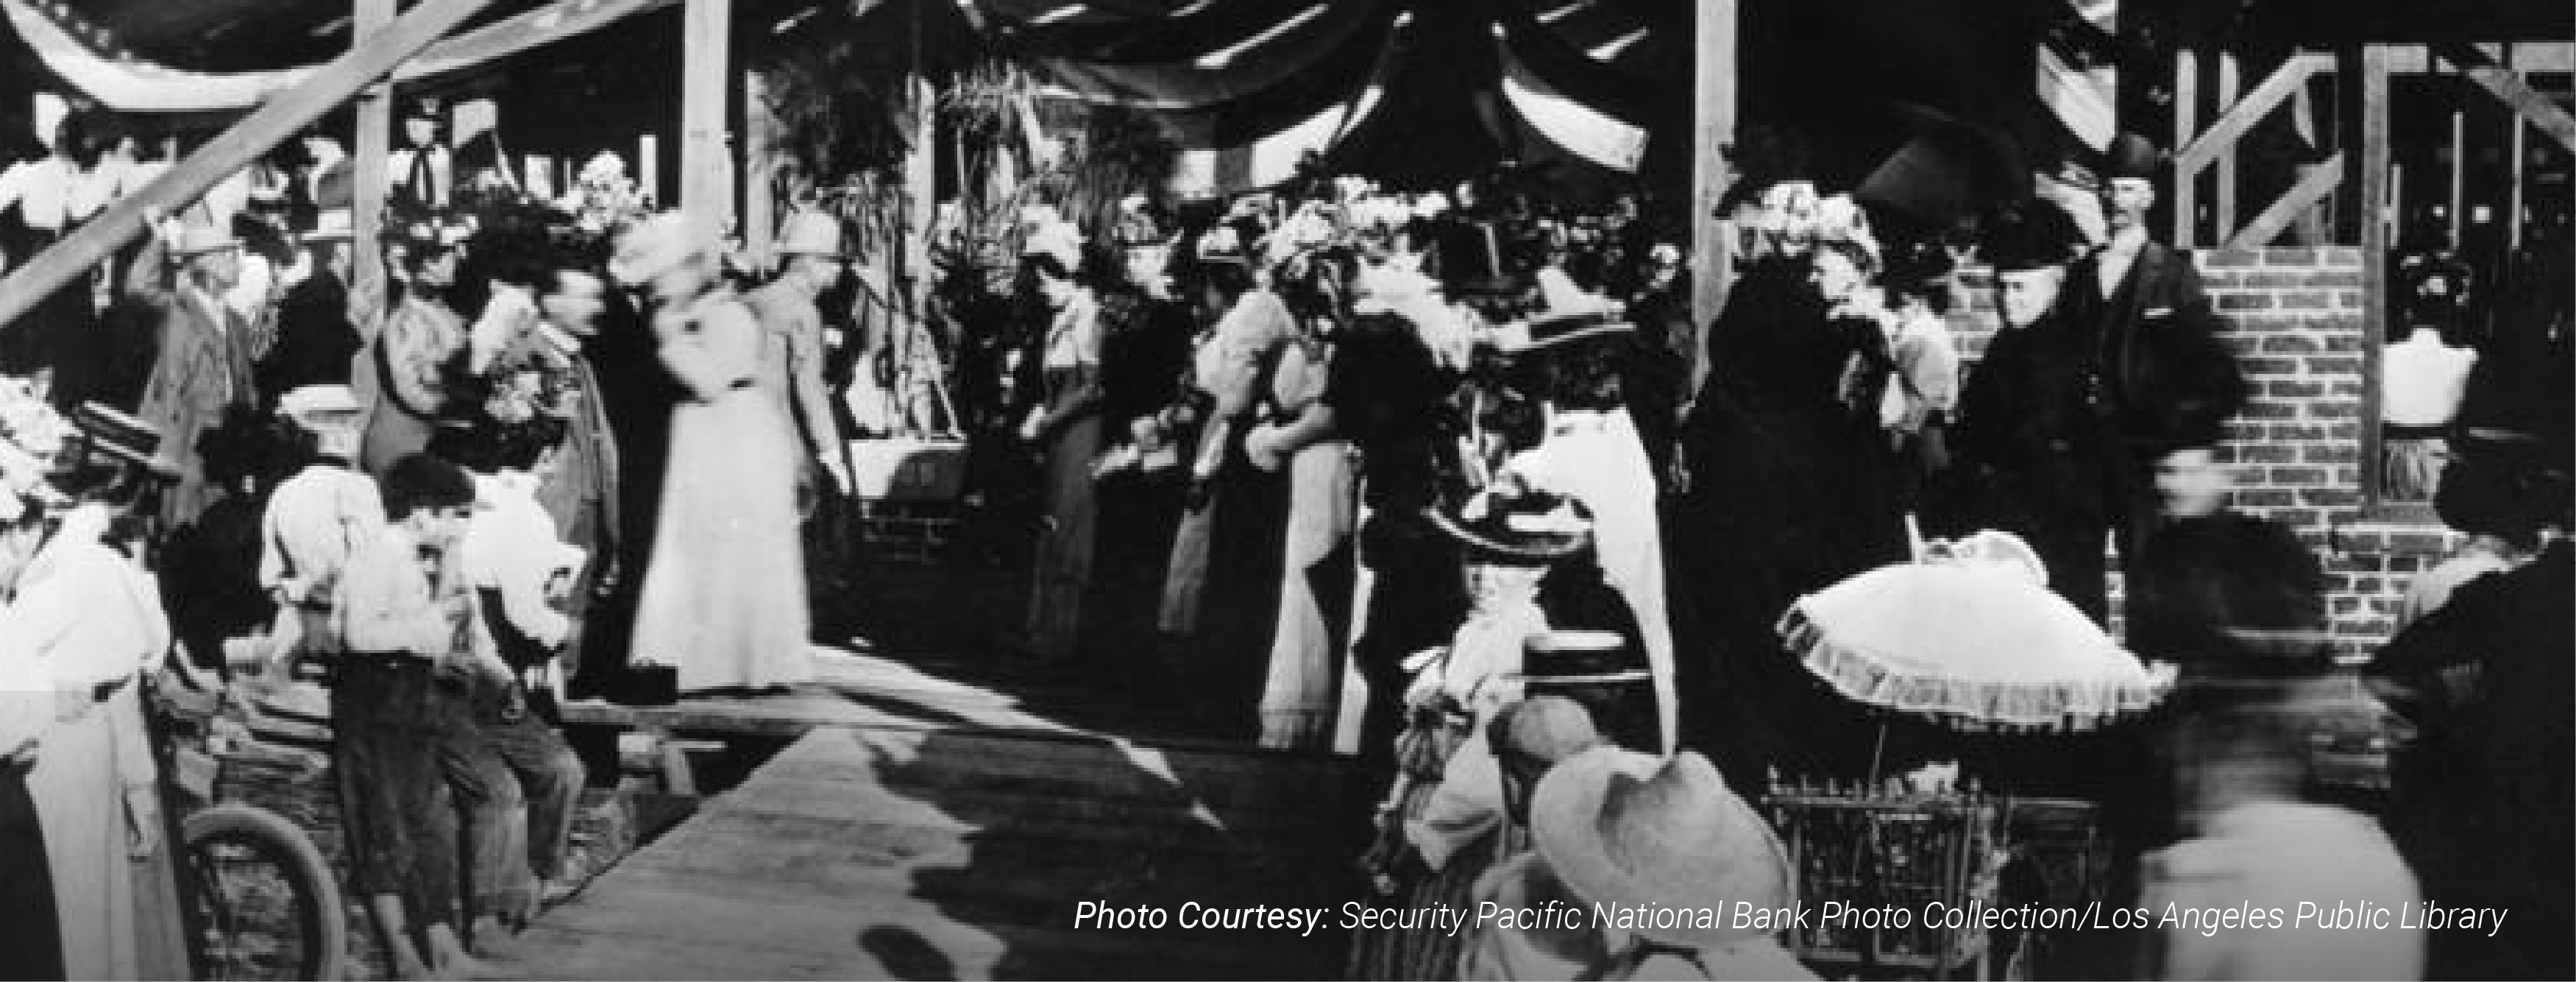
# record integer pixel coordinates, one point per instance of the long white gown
(88, 615)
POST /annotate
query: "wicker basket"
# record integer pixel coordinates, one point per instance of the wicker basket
(1891, 852)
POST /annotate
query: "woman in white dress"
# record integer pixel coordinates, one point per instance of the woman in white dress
(724, 595)
(86, 613)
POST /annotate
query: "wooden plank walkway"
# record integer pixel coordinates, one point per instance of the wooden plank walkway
(940, 851)
(869, 690)
(922, 853)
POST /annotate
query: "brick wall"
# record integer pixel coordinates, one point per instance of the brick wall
(2294, 317)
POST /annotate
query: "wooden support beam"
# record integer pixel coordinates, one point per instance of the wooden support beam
(2318, 181)
(2259, 103)
(759, 173)
(706, 175)
(2502, 83)
(367, 282)
(2374, 253)
(280, 118)
(2226, 225)
(2529, 56)
(1712, 263)
(2186, 180)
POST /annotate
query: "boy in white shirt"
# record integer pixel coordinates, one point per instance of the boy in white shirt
(314, 520)
(515, 775)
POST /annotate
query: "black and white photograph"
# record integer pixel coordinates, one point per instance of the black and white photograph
(1370, 490)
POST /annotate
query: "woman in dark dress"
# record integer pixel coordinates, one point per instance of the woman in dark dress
(29, 933)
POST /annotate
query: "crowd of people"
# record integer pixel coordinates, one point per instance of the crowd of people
(1450, 480)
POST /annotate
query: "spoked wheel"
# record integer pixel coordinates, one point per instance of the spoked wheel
(267, 905)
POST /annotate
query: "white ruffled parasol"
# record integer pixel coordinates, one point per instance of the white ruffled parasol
(1969, 634)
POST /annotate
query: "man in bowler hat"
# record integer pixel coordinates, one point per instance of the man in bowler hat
(2153, 332)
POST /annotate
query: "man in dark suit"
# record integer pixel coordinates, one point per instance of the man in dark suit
(2157, 353)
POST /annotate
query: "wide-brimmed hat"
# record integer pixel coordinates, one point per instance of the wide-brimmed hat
(193, 239)
(1548, 329)
(331, 225)
(811, 233)
(317, 405)
(2035, 235)
(655, 246)
(1548, 728)
(1057, 238)
(430, 231)
(1569, 657)
(120, 435)
(23, 483)
(1621, 827)
(1509, 522)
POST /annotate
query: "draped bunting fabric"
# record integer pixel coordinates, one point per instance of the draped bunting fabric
(1247, 87)
(2078, 79)
(122, 83)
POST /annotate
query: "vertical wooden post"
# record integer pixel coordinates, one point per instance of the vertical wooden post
(2186, 186)
(374, 119)
(920, 182)
(2459, 149)
(2514, 146)
(759, 172)
(706, 187)
(2374, 253)
(1712, 265)
(2226, 158)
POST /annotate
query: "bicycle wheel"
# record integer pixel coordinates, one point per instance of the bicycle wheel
(268, 905)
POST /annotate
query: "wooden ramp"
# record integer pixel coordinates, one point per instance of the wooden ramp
(853, 689)
(928, 853)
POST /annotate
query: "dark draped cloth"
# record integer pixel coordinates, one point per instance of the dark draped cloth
(29, 932)
(2037, 457)
(315, 343)
(1392, 399)
(2482, 801)
(1791, 491)
(638, 394)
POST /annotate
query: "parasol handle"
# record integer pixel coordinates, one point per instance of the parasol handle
(1914, 536)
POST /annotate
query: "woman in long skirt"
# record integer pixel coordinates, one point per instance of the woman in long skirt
(90, 618)
(29, 931)
(1304, 683)
(1067, 426)
(724, 597)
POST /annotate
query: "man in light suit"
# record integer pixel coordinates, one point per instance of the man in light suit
(2155, 338)
(203, 360)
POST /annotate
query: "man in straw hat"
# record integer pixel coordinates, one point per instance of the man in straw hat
(204, 359)
(315, 518)
(791, 368)
(791, 352)
(1664, 841)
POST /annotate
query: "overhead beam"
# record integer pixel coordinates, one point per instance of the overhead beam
(278, 119)
(2529, 56)
(2318, 181)
(2502, 83)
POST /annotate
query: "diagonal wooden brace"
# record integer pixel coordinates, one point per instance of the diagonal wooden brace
(2510, 89)
(275, 121)
(2319, 181)
(2259, 103)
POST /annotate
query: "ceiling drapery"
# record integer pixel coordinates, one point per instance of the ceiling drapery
(1247, 87)
(122, 82)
